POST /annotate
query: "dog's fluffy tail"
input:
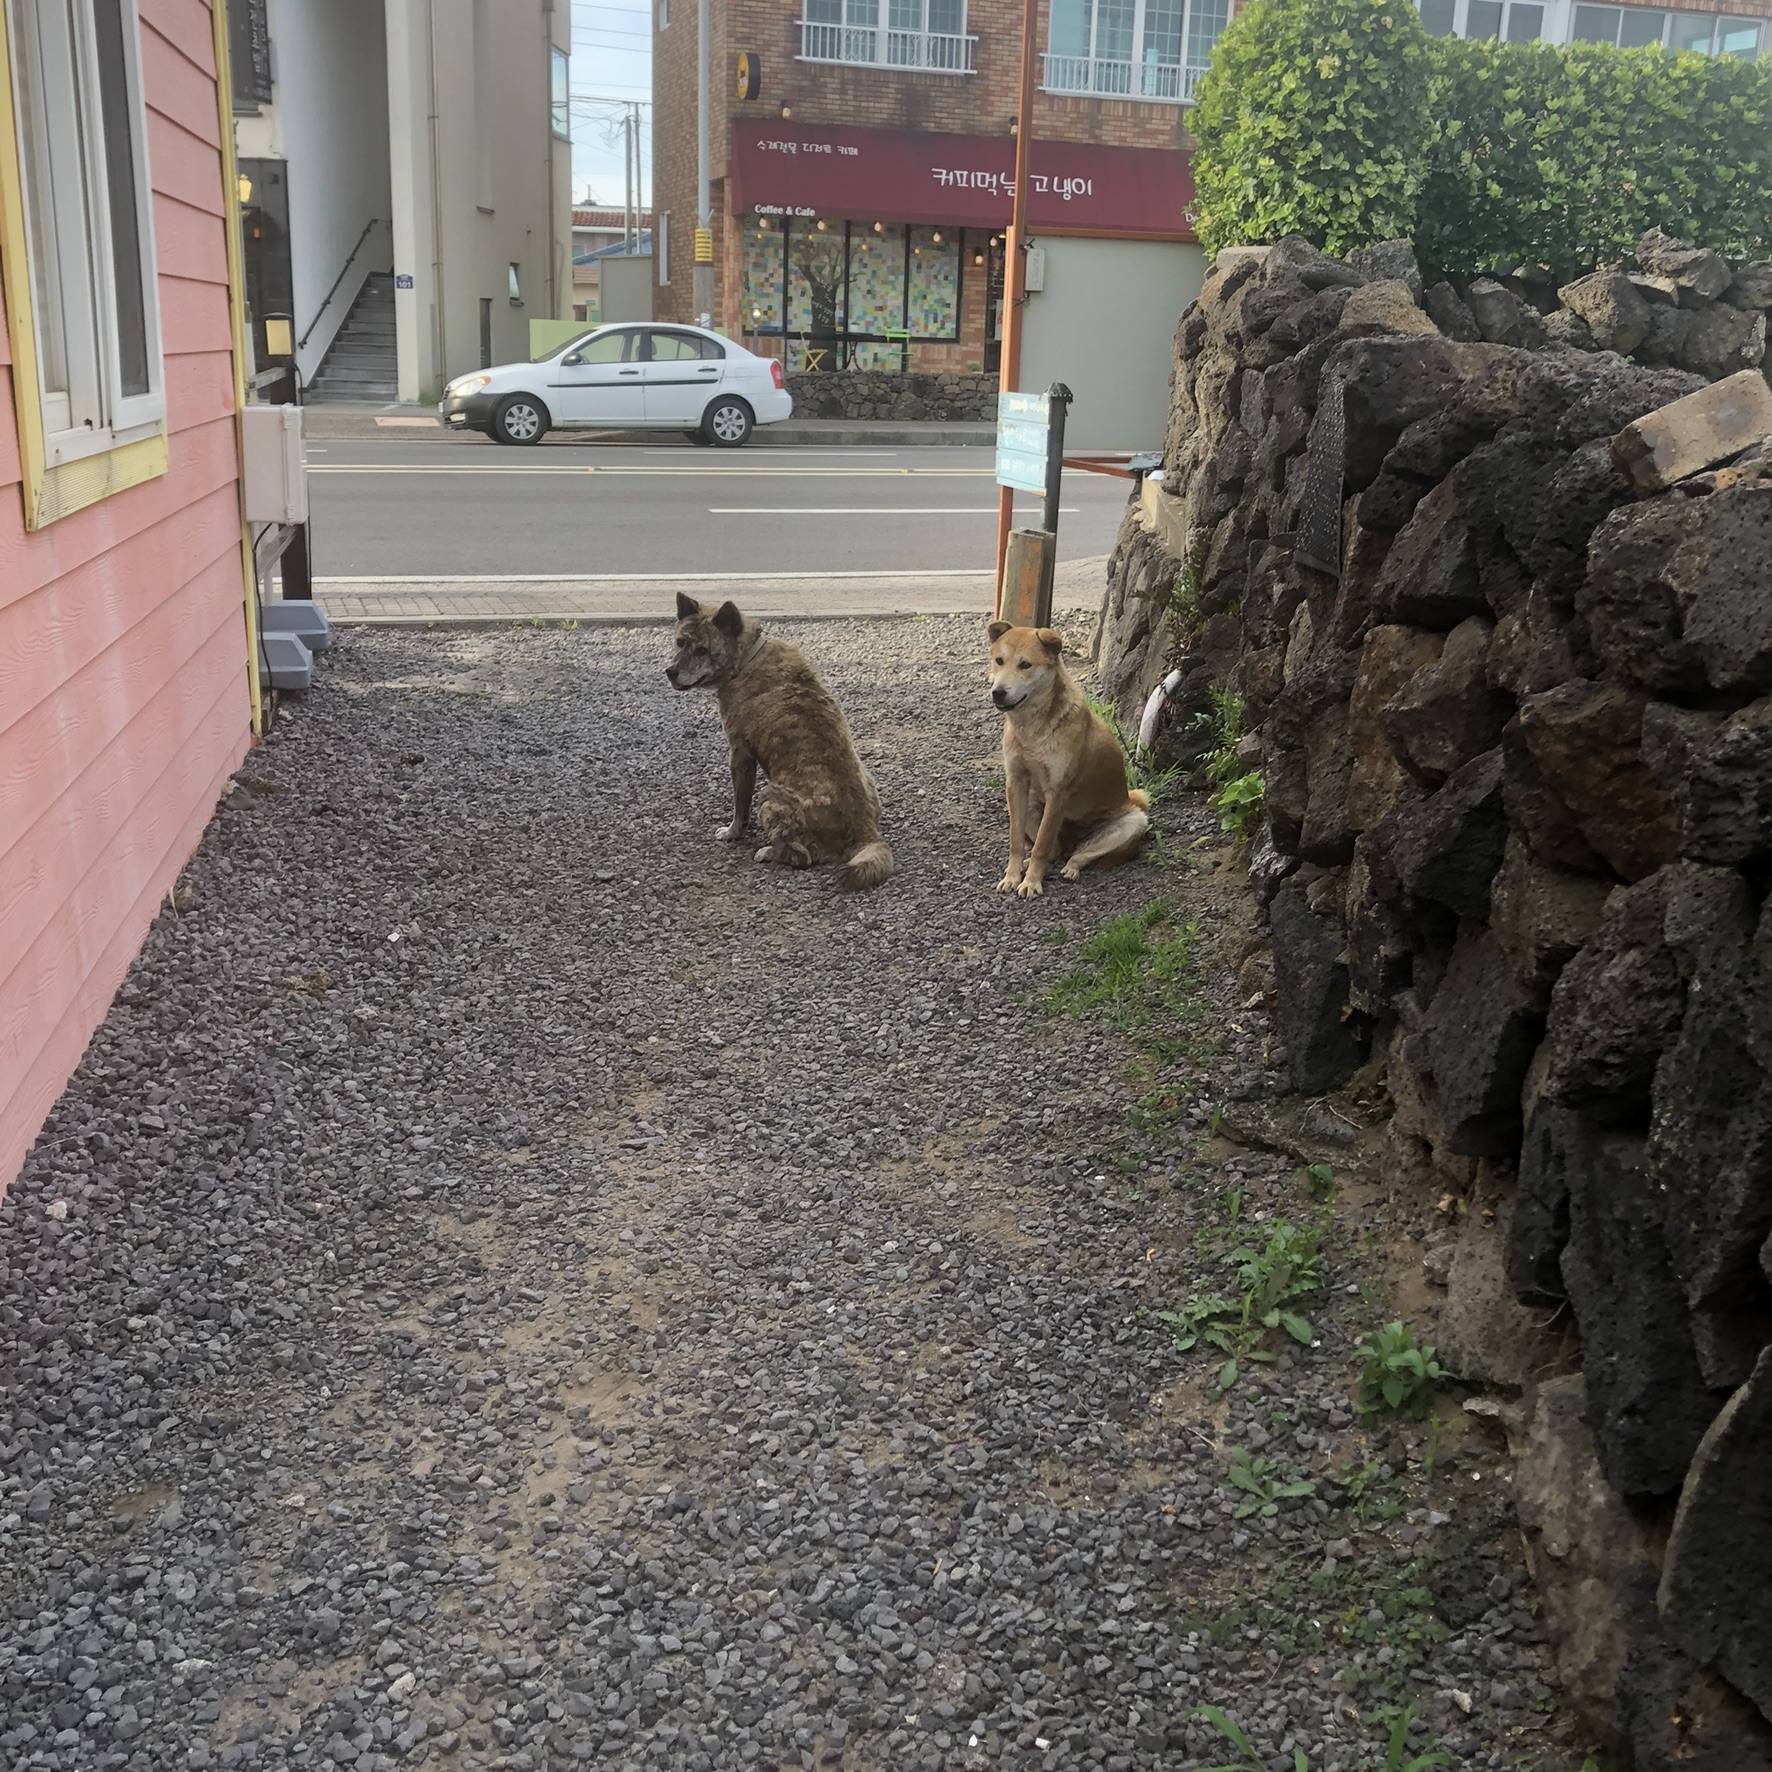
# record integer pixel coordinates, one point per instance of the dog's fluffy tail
(869, 866)
(1139, 798)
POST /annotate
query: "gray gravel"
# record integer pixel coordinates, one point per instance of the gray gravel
(515, 1284)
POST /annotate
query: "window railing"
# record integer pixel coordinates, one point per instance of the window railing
(1101, 77)
(934, 52)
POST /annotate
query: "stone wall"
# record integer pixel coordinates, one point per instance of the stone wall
(879, 394)
(1517, 760)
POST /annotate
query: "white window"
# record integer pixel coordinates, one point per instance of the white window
(1631, 27)
(929, 35)
(1624, 27)
(88, 222)
(1515, 21)
(560, 93)
(662, 246)
(664, 15)
(1150, 49)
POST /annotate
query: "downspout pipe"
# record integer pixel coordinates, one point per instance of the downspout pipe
(442, 362)
(1153, 708)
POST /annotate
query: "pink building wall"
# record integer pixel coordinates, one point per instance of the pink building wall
(124, 704)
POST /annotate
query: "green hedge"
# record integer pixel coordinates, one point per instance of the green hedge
(1524, 152)
(1312, 119)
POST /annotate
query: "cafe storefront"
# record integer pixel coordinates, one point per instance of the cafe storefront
(884, 249)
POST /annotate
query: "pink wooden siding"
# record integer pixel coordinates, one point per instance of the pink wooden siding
(123, 698)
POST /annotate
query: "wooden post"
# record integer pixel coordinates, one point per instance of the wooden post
(1014, 269)
(1026, 593)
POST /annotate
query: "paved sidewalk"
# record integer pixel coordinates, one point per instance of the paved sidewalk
(475, 602)
(342, 423)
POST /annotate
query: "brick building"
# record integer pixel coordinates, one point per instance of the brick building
(861, 193)
(861, 197)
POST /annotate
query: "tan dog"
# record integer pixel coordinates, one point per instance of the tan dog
(1066, 773)
(820, 804)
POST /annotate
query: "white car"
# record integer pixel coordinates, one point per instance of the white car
(641, 377)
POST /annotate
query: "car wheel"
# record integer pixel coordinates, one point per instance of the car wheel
(519, 419)
(699, 438)
(727, 423)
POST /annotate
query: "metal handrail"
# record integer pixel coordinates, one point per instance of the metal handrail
(373, 222)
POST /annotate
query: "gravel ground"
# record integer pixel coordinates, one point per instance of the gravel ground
(515, 1284)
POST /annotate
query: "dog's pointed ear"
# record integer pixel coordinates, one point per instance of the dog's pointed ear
(1052, 640)
(686, 607)
(998, 629)
(728, 620)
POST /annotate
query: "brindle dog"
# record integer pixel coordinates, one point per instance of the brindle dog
(819, 804)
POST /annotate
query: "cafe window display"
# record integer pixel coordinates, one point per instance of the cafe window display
(851, 294)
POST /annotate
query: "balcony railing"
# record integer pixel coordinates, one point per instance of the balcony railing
(1100, 77)
(931, 52)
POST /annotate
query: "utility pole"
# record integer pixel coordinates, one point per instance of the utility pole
(1015, 264)
(627, 180)
(703, 283)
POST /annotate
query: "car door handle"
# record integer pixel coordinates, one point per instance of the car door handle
(709, 371)
(630, 372)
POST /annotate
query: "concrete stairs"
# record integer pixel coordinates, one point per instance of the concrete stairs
(361, 365)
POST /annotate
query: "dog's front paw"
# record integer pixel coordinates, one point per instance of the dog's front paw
(1070, 870)
(1030, 888)
(1010, 880)
(729, 833)
(768, 853)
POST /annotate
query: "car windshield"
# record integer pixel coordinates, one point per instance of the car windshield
(554, 351)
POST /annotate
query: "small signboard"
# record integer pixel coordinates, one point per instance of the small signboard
(1023, 426)
(402, 280)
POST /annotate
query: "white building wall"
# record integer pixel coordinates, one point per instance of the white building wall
(468, 88)
(1107, 312)
(328, 118)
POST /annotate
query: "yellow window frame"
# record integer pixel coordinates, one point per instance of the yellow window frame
(51, 490)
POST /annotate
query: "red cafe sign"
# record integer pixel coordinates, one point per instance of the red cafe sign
(960, 181)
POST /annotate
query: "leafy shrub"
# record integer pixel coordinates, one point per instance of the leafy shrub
(1342, 121)
(1399, 1374)
(1238, 804)
(1312, 119)
(1564, 157)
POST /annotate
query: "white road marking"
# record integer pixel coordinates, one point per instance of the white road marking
(635, 578)
(681, 473)
(863, 510)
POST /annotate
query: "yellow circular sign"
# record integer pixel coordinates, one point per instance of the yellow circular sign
(750, 75)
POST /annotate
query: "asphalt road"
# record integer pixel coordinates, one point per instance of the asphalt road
(466, 509)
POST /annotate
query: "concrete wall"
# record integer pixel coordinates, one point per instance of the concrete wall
(1106, 314)
(627, 287)
(328, 118)
(489, 187)
(122, 634)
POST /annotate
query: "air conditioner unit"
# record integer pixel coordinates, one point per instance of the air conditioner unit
(273, 480)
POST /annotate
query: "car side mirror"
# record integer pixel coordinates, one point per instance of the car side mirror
(571, 358)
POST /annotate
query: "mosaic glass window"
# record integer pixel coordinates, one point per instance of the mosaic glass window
(763, 277)
(876, 279)
(935, 283)
(815, 280)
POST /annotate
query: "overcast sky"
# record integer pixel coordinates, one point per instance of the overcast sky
(611, 58)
